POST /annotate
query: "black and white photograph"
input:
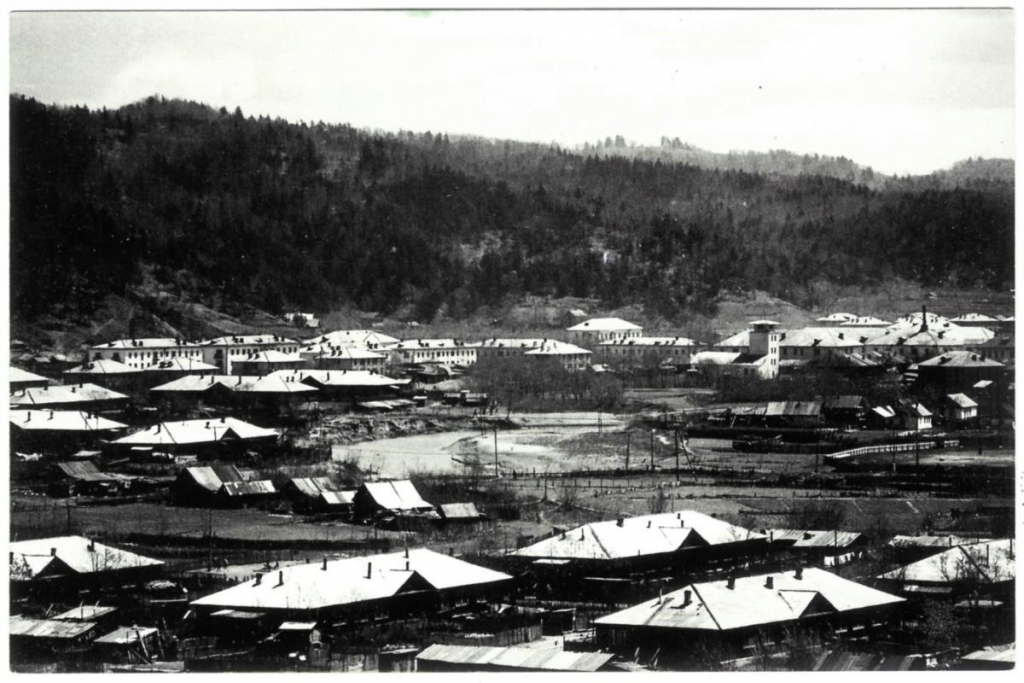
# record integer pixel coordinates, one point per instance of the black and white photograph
(525, 339)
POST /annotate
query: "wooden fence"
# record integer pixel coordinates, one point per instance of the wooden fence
(891, 448)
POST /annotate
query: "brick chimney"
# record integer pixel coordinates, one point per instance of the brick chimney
(769, 582)
(924, 318)
(687, 597)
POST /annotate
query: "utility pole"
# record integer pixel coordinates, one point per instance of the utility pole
(917, 461)
(652, 450)
(495, 452)
(628, 435)
(677, 453)
(67, 508)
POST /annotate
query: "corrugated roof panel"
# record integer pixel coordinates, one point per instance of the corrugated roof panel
(47, 628)
(126, 635)
(396, 495)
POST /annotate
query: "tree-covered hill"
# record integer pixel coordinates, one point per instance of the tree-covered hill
(275, 214)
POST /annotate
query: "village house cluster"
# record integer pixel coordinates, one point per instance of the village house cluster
(201, 425)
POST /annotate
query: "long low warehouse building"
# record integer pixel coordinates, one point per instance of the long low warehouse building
(378, 586)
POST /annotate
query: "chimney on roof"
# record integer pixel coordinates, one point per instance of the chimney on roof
(582, 534)
(648, 524)
(618, 522)
(29, 418)
(92, 546)
(51, 415)
(407, 552)
(325, 563)
(451, 551)
(223, 420)
(280, 578)
(369, 570)
(769, 582)
(731, 582)
(924, 318)
(53, 552)
(407, 565)
(259, 579)
(687, 597)
(799, 574)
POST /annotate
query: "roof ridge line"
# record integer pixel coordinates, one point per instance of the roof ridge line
(706, 605)
(596, 540)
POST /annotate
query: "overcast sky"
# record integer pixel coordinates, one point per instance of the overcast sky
(903, 91)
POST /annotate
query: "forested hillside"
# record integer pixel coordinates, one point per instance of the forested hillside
(276, 214)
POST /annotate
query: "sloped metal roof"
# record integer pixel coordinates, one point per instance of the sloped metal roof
(212, 478)
(235, 489)
(846, 402)
(396, 495)
(68, 394)
(793, 408)
(200, 383)
(126, 635)
(960, 359)
(994, 653)
(102, 367)
(459, 511)
(989, 562)
(44, 420)
(962, 400)
(639, 536)
(312, 486)
(47, 628)
(85, 613)
(940, 542)
(344, 582)
(85, 471)
(525, 658)
(342, 498)
(178, 364)
(713, 606)
(604, 325)
(17, 375)
(808, 538)
(553, 347)
(274, 384)
(341, 378)
(195, 432)
(146, 343)
(32, 558)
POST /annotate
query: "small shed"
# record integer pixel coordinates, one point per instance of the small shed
(128, 644)
(398, 497)
(845, 411)
(459, 513)
(960, 408)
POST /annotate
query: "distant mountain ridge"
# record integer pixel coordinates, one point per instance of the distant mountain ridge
(967, 173)
(230, 210)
